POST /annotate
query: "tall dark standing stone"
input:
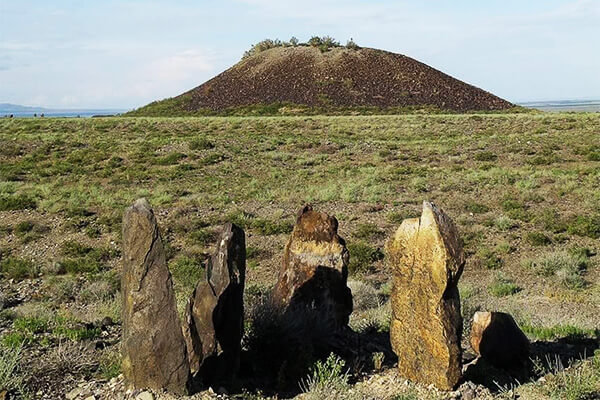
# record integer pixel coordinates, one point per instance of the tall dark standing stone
(215, 312)
(427, 259)
(314, 271)
(154, 353)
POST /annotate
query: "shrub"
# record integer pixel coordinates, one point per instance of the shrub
(326, 376)
(110, 364)
(397, 217)
(476, 208)
(502, 286)
(186, 271)
(554, 332)
(80, 266)
(11, 377)
(515, 209)
(23, 227)
(282, 346)
(367, 231)
(200, 143)
(362, 257)
(263, 45)
(537, 239)
(565, 266)
(324, 43)
(550, 220)
(585, 225)
(351, 44)
(485, 156)
(30, 325)
(269, 227)
(84, 259)
(16, 202)
(203, 236)
(504, 223)
(364, 296)
(18, 268)
(488, 258)
(170, 159)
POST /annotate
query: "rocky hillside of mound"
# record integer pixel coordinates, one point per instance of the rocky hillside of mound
(340, 78)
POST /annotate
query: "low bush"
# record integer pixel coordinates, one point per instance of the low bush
(326, 377)
(488, 258)
(501, 286)
(537, 239)
(485, 156)
(476, 208)
(585, 225)
(367, 231)
(12, 378)
(18, 268)
(186, 272)
(200, 143)
(567, 267)
(16, 202)
(362, 257)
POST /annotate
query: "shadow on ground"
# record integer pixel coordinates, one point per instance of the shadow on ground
(545, 356)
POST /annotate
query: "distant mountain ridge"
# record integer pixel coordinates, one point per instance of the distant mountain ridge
(8, 107)
(29, 111)
(296, 77)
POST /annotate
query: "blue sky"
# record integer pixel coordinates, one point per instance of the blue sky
(124, 54)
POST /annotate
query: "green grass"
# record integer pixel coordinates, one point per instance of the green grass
(77, 176)
(362, 257)
(502, 286)
(567, 267)
(18, 268)
(16, 202)
(557, 332)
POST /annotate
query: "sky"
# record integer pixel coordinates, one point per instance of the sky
(124, 54)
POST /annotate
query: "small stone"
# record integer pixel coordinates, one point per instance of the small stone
(145, 396)
(497, 338)
(92, 397)
(106, 322)
(468, 394)
(74, 393)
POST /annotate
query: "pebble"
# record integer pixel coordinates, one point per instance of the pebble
(74, 393)
(145, 396)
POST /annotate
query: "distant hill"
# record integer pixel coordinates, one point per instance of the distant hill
(304, 78)
(27, 111)
(8, 107)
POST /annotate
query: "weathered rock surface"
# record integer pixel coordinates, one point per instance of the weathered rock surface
(426, 259)
(215, 312)
(497, 338)
(314, 271)
(154, 353)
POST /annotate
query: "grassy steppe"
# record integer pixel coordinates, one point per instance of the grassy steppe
(522, 188)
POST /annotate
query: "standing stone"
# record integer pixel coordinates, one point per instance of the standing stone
(496, 337)
(215, 313)
(314, 272)
(427, 259)
(154, 353)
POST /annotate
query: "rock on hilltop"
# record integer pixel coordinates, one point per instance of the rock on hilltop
(339, 79)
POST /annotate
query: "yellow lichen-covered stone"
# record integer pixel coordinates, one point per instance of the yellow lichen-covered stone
(426, 259)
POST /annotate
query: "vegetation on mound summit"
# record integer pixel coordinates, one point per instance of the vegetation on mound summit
(323, 43)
